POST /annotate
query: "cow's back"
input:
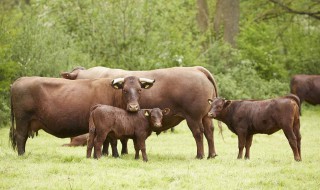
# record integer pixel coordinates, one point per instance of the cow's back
(306, 87)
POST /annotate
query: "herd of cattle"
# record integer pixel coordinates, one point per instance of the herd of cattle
(110, 104)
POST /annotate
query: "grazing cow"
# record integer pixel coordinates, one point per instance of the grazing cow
(62, 107)
(117, 123)
(80, 140)
(306, 87)
(184, 90)
(248, 117)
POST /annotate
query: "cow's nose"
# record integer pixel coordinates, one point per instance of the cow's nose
(133, 107)
(157, 125)
(210, 114)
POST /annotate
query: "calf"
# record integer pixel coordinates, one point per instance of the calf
(248, 117)
(80, 140)
(117, 123)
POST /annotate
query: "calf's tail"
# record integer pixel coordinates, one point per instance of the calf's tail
(296, 99)
(92, 131)
(12, 136)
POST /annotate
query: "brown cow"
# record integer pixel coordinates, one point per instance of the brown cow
(62, 107)
(248, 117)
(117, 123)
(184, 90)
(306, 87)
(80, 140)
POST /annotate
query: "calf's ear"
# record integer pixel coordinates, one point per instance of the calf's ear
(226, 103)
(210, 101)
(146, 113)
(165, 111)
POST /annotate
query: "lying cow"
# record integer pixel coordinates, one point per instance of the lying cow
(248, 117)
(80, 140)
(306, 87)
(117, 123)
(62, 107)
(184, 90)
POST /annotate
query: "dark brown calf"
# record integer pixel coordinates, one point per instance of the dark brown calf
(248, 117)
(117, 123)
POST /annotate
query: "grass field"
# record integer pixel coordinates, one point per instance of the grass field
(172, 163)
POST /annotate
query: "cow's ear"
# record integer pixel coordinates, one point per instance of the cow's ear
(67, 75)
(146, 83)
(226, 103)
(147, 112)
(165, 111)
(117, 83)
(210, 101)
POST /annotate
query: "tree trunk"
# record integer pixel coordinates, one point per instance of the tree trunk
(226, 20)
(203, 15)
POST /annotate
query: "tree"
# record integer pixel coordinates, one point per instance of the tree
(203, 15)
(227, 19)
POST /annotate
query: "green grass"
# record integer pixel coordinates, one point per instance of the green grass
(172, 163)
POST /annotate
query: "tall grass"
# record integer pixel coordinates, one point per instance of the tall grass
(172, 164)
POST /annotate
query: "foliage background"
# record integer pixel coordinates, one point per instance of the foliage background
(45, 37)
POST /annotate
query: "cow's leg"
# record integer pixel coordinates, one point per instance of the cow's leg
(21, 135)
(208, 132)
(124, 143)
(241, 143)
(136, 148)
(114, 148)
(105, 149)
(248, 145)
(196, 128)
(288, 131)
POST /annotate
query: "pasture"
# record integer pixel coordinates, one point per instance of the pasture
(172, 164)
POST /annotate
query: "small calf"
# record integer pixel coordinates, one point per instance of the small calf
(248, 117)
(117, 123)
(80, 140)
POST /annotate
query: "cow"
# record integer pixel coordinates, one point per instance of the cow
(184, 90)
(107, 120)
(248, 117)
(306, 87)
(62, 107)
(80, 140)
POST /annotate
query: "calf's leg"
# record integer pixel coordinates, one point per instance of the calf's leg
(288, 131)
(90, 142)
(241, 143)
(296, 130)
(124, 143)
(142, 146)
(136, 148)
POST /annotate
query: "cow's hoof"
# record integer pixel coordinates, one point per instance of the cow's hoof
(212, 156)
(199, 157)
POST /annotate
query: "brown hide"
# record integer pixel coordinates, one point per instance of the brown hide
(117, 123)
(61, 107)
(306, 87)
(184, 90)
(248, 117)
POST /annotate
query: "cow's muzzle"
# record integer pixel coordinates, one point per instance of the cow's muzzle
(133, 107)
(211, 115)
(157, 125)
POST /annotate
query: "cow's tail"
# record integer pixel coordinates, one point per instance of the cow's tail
(212, 80)
(12, 136)
(296, 99)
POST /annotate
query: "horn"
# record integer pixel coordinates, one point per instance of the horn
(117, 80)
(146, 80)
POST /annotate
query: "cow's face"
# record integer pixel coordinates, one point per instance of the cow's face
(131, 90)
(217, 106)
(156, 116)
(73, 74)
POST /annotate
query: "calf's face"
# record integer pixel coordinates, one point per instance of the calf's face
(156, 115)
(131, 90)
(217, 106)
